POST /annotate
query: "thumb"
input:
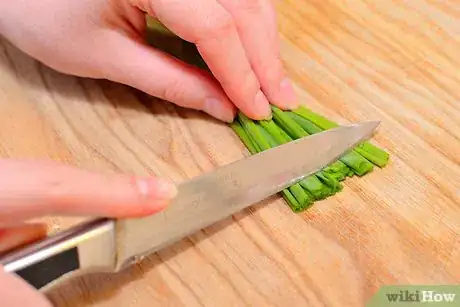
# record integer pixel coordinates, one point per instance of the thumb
(165, 77)
(32, 188)
(16, 292)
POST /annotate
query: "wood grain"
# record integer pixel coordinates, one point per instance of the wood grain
(395, 61)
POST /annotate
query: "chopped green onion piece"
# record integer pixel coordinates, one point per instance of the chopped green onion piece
(265, 141)
(292, 202)
(374, 154)
(312, 184)
(369, 151)
(352, 159)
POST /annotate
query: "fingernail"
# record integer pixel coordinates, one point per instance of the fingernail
(215, 108)
(157, 188)
(288, 95)
(262, 106)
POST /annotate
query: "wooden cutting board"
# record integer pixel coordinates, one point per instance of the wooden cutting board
(395, 61)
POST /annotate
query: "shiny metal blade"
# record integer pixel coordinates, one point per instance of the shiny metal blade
(214, 196)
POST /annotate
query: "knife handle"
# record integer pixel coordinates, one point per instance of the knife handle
(86, 247)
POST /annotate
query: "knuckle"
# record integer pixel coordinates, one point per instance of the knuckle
(218, 25)
(272, 69)
(250, 83)
(174, 91)
(253, 7)
(246, 84)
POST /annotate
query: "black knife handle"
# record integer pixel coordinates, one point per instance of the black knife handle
(46, 271)
(88, 246)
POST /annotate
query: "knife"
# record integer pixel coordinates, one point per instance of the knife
(111, 245)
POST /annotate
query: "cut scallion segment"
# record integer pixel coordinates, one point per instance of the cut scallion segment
(352, 159)
(296, 131)
(367, 150)
(312, 184)
(374, 154)
(264, 141)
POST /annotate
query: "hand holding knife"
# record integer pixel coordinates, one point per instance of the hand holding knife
(110, 245)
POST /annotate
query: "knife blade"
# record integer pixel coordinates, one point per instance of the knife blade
(109, 245)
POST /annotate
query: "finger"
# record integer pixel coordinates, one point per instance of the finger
(166, 77)
(256, 24)
(32, 188)
(16, 292)
(14, 237)
(207, 24)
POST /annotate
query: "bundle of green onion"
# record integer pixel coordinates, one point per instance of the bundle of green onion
(285, 126)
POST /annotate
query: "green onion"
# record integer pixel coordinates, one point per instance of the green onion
(304, 123)
(331, 182)
(253, 131)
(339, 169)
(320, 121)
(244, 137)
(294, 130)
(316, 188)
(312, 184)
(263, 140)
(267, 136)
(352, 159)
(372, 153)
(367, 150)
(292, 202)
(276, 132)
(357, 163)
(303, 198)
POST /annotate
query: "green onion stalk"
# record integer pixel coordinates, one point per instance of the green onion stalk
(317, 123)
(286, 126)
